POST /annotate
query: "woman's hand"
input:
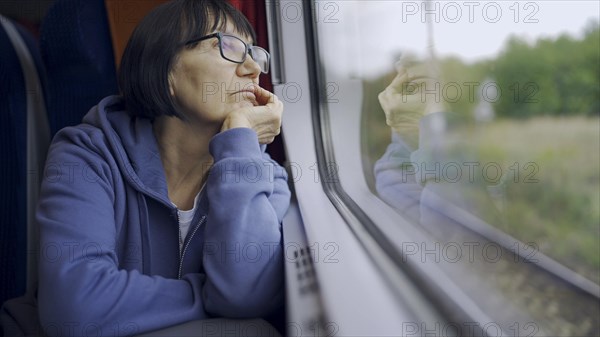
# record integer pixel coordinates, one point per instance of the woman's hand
(264, 118)
(413, 93)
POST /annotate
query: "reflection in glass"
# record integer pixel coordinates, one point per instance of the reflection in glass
(498, 131)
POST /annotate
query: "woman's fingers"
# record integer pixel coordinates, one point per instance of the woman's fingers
(264, 118)
(263, 96)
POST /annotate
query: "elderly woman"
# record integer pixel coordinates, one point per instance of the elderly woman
(167, 208)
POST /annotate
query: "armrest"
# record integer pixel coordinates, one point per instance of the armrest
(219, 327)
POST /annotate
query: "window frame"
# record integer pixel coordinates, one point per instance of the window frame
(368, 311)
(373, 223)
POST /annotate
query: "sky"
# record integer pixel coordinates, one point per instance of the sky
(364, 37)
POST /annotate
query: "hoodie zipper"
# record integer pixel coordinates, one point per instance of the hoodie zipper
(186, 242)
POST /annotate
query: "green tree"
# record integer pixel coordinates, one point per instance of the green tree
(551, 76)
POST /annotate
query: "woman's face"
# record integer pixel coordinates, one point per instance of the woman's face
(208, 87)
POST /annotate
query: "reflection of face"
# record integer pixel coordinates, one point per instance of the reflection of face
(206, 87)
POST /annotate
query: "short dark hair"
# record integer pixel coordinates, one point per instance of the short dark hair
(155, 43)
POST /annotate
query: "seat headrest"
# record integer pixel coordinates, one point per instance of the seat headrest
(77, 50)
(77, 32)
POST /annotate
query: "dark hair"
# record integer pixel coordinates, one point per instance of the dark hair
(153, 47)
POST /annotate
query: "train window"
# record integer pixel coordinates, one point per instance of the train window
(475, 126)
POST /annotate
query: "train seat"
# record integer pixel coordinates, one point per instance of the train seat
(24, 141)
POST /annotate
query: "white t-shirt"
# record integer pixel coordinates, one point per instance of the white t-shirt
(185, 220)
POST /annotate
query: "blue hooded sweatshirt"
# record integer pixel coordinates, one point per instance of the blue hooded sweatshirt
(420, 183)
(110, 259)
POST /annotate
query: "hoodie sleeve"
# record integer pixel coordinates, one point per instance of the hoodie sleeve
(81, 288)
(248, 196)
(442, 166)
(396, 179)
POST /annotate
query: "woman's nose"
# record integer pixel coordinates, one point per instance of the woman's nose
(249, 68)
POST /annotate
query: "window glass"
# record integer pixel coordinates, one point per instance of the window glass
(479, 123)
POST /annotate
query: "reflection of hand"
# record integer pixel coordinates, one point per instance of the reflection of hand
(264, 118)
(414, 92)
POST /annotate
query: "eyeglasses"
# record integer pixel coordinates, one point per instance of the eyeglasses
(235, 50)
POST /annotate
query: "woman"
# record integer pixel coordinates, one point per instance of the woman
(166, 208)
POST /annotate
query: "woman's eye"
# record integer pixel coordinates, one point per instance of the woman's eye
(227, 45)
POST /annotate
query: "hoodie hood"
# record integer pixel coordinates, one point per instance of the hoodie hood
(134, 145)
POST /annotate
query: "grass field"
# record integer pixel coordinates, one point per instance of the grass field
(551, 185)
(558, 207)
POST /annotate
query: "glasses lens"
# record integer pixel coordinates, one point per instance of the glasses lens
(261, 57)
(233, 48)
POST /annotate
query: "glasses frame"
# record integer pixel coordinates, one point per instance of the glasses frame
(249, 49)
